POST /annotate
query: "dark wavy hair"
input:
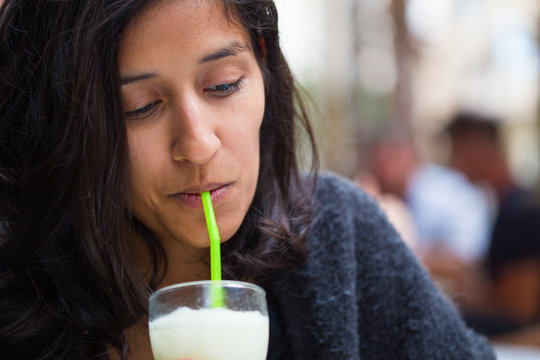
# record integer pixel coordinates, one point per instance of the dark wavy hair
(69, 281)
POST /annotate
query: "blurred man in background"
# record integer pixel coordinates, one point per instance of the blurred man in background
(451, 216)
(510, 297)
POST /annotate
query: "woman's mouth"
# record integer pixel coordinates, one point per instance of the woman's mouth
(192, 197)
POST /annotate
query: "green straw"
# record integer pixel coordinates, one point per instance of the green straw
(215, 254)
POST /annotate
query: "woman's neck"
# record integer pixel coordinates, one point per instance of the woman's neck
(186, 264)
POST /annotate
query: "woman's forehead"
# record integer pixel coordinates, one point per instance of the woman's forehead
(194, 9)
(179, 27)
(187, 18)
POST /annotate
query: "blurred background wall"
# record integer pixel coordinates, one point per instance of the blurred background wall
(368, 64)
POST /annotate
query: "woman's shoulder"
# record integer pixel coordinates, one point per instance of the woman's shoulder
(344, 212)
(340, 199)
(333, 188)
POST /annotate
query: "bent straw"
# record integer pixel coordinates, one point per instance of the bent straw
(216, 296)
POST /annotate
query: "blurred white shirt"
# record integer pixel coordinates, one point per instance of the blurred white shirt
(449, 210)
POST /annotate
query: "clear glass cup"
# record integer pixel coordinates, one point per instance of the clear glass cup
(209, 320)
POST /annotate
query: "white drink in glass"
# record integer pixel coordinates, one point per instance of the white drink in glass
(187, 326)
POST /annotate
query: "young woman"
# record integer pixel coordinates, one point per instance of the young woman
(115, 115)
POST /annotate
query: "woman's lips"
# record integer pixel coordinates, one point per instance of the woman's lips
(192, 198)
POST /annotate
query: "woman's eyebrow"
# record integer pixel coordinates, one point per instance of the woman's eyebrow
(232, 50)
(125, 80)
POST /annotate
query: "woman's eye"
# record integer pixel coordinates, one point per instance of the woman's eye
(225, 89)
(144, 111)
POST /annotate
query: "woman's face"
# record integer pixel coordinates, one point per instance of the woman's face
(193, 97)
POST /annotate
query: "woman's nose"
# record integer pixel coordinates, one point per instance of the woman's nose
(195, 138)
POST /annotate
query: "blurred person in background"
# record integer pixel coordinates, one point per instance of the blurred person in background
(509, 297)
(450, 215)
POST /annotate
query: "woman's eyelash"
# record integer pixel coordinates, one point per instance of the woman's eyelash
(225, 89)
(144, 111)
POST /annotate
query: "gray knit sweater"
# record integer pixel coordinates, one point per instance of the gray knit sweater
(362, 294)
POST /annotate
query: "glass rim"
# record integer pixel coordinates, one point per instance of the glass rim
(227, 283)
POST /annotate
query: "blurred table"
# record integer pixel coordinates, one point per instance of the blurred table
(516, 352)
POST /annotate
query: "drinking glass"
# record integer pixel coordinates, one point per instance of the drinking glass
(209, 320)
